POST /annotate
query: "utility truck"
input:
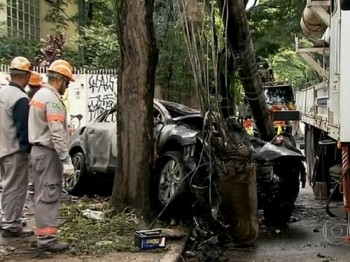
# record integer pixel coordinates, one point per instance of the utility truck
(280, 101)
(325, 107)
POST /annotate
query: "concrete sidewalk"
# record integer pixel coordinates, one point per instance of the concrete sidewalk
(19, 249)
(171, 254)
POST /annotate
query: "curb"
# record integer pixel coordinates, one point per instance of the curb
(176, 249)
(173, 255)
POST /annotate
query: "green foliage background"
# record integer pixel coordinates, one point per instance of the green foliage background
(273, 24)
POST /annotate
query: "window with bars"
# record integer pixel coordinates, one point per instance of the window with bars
(23, 19)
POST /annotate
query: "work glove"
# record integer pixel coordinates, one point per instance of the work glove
(68, 168)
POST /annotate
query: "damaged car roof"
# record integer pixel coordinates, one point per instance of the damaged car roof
(176, 109)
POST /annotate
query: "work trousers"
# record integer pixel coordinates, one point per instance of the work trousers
(14, 171)
(47, 173)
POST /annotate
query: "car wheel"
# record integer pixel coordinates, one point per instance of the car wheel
(75, 185)
(170, 182)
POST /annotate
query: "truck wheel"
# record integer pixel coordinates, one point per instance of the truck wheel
(310, 153)
(76, 184)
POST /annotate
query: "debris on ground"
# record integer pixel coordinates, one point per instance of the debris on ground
(93, 214)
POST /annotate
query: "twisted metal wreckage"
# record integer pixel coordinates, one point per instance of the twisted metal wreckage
(241, 173)
(230, 175)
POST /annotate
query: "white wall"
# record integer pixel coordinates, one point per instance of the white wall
(90, 94)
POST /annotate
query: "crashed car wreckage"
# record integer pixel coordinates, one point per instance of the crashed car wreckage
(190, 150)
(177, 135)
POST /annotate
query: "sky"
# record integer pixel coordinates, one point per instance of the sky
(250, 3)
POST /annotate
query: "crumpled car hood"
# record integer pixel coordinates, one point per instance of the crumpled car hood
(270, 152)
(185, 135)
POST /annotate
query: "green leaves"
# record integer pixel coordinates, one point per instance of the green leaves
(289, 67)
(100, 47)
(174, 74)
(11, 47)
(57, 16)
(274, 25)
(97, 237)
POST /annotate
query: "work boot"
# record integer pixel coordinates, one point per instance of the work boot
(54, 246)
(24, 223)
(24, 232)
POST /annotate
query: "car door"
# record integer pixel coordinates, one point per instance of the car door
(101, 142)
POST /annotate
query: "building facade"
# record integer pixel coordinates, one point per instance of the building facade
(25, 18)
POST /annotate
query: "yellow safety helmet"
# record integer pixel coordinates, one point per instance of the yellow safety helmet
(35, 79)
(61, 61)
(20, 63)
(63, 68)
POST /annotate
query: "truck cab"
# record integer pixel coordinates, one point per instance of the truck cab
(280, 100)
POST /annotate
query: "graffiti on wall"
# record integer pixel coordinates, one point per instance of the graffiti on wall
(102, 84)
(89, 96)
(102, 95)
(100, 103)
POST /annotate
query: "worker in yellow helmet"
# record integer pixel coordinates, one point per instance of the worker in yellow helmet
(48, 132)
(15, 148)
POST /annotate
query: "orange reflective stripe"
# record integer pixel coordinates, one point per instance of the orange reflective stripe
(280, 123)
(37, 104)
(56, 117)
(248, 123)
(43, 231)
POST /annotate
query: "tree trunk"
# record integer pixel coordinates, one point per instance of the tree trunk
(238, 35)
(139, 57)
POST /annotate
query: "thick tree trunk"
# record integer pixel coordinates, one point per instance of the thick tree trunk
(238, 34)
(139, 57)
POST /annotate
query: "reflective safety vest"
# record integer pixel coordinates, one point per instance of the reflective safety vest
(248, 126)
(48, 121)
(13, 138)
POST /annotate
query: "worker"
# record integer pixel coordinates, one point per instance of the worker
(249, 126)
(35, 82)
(15, 148)
(48, 133)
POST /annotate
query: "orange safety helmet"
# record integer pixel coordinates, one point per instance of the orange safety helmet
(20, 63)
(63, 68)
(35, 79)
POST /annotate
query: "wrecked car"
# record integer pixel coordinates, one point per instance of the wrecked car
(280, 173)
(180, 156)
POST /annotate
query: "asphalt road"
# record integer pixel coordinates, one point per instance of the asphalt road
(310, 236)
(302, 240)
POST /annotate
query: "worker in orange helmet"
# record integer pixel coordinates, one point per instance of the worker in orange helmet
(15, 148)
(35, 83)
(48, 133)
